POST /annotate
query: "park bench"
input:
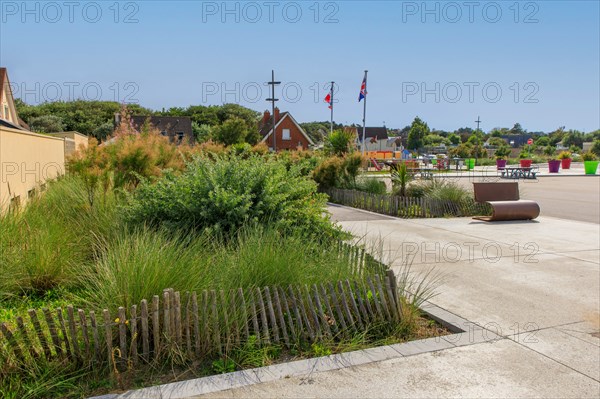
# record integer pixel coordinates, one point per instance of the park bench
(505, 202)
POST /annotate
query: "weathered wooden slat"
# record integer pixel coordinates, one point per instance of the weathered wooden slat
(122, 332)
(321, 311)
(134, 334)
(286, 309)
(254, 314)
(196, 321)
(274, 326)
(337, 307)
(226, 325)
(279, 311)
(53, 332)
(235, 316)
(244, 313)
(167, 315)
(315, 320)
(378, 309)
(263, 315)
(39, 333)
(353, 304)
(359, 293)
(206, 322)
(394, 287)
(28, 343)
(108, 334)
(87, 348)
(187, 323)
(384, 303)
(172, 314)
(63, 330)
(155, 326)
(177, 316)
(73, 331)
(145, 330)
(303, 313)
(331, 317)
(390, 298)
(345, 307)
(12, 342)
(296, 310)
(215, 321)
(95, 335)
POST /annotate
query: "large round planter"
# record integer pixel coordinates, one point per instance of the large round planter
(554, 166)
(590, 167)
(470, 162)
(525, 163)
(500, 164)
(565, 163)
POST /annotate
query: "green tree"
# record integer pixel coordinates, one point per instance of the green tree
(596, 147)
(517, 129)
(46, 124)
(573, 137)
(202, 133)
(339, 142)
(454, 139)
(103, 131)
(542, 141)
(232, 131)
(418, 131)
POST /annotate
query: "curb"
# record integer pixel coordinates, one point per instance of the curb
(239, 379)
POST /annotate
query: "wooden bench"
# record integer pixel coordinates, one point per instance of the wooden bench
(505, 202)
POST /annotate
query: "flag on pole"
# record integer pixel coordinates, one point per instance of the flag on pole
(363, 89)
(328, 100)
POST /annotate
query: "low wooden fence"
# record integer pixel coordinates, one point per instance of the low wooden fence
(197, 325)
(406, 207)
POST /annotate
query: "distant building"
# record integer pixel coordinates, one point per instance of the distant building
(73, 141)
(8, 112)
(27, 160)
(177, 128)
(288, 133)
(376, 139)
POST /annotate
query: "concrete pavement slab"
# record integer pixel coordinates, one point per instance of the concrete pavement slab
(498, 369)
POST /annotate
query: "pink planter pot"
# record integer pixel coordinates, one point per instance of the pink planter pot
(500, 164)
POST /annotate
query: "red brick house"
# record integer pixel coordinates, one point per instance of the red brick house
(288, 133)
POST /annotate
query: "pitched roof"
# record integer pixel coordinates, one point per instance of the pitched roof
(2, 75)
(169, 124)
(379, 132)
(266, 129)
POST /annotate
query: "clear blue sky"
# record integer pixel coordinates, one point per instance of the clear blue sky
(445, 63)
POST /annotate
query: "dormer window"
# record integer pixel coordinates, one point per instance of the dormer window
(285, 134)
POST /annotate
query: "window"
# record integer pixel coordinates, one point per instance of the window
(6, 112)
(31, 193)
(179, 137)
(285, 134)
(15, 203)
(163, 133)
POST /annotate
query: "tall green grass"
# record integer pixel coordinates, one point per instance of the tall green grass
(142, 263)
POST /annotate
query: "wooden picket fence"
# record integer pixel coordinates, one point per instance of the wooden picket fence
(199, 325)
(406, 207)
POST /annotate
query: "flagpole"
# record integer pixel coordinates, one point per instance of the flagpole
(364, 116)
(331, 124)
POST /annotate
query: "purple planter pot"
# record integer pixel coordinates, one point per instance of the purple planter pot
(500, 164)
(554, 166)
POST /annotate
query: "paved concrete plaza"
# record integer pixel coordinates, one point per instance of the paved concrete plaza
(534, 283)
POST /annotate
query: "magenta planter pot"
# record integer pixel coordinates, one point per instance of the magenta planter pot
(500, 164)
(554, 166)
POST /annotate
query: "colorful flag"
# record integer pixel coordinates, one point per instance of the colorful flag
(328, 100)
(363, 89)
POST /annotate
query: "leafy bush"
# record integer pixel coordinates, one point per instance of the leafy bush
(229, 192)
(46, 124)
(596, 147)
(339, 142)
(338, 172)
(400, 179)
(439, 189)
(371, 185)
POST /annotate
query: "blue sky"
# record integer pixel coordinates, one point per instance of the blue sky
(536, 62)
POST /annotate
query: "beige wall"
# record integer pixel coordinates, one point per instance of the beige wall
(74, 141)
(26, 161)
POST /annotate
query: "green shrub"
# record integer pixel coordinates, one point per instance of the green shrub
(229, 192)
(371, 185)
(338, 171)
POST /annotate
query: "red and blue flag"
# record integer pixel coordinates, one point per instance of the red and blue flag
(363, 89)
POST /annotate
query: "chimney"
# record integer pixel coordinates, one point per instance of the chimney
(266, 117)
(276, 114)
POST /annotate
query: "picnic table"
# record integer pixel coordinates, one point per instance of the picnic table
(518, 172)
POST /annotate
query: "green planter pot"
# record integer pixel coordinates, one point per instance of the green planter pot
(590, 167)
(470, 162)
